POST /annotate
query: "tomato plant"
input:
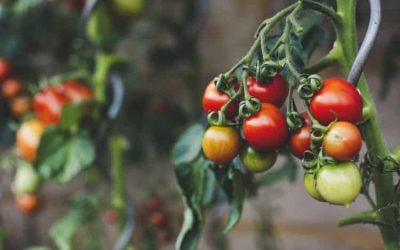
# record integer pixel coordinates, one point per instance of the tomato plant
(221, 144)
(48, 105)
(76, 91)
(337, 100)
(274, 91)
(267, 129)
(342, 141)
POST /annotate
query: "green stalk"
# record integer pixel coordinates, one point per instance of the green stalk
(117, 147)
(346, 46)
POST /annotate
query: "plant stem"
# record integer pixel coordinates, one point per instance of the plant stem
(117, 147)
(346, 45)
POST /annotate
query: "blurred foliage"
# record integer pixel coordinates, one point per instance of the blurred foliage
(390, 65)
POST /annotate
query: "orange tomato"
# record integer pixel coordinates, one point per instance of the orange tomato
(27, 203)
(20, 106)
(28, 139)
(11, 88)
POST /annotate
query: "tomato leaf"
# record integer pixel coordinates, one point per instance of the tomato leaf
(70, 116)
(232, 183)
(188, 146)
(197, 185)
(62, 156)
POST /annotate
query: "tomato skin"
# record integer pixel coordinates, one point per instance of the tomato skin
(300, 140)
(266, 130)
(27, 203)
(48, 105)
(274, 92)
(343, 141)
(339, 184)
(76, 91)
(311, 186)
(257, 161)
(26, 180)
(11, 88)
(337, 99)
(213, 100)
(28, 139)
(20, 106)
(4, 69)
(221, 144)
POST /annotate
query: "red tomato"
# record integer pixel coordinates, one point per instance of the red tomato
(274, 92)
(213, 100)
(343, 141)
(337, 99)
(27, 203)
(300, 140)
(266, 130)
(28, 139)
(76, 91)
(48, 105)
(11, 88)
(4, 69)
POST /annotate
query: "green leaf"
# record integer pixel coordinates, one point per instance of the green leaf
(83, 208)
(81, 154)
(70, 116)
(188, 146)
(197, 185)
(62, 156)
(232, 183)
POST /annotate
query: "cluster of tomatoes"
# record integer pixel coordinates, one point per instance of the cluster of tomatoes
(12, 90)
(47, 105)
(329, 131)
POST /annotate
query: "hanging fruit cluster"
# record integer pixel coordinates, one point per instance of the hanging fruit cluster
(244, 107)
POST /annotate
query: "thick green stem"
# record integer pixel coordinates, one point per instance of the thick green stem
(346, 46)
(117, 147)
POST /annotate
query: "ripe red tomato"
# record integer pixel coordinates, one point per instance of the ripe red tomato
(337, 99)
(11, 88)
(27, 203)
(48, 105)
(339, 184)
(274, 92)
(343, 141)
(213, 100)
(20, 106)
(221, 144)
(4, 69)
(300, 140)
(76, 91)
(28, 139)
(266, 130)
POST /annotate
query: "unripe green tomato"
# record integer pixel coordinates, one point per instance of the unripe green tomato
(26, 180)
(99, 26)
(128, 8)
(258, 161)
(340, 183)
(311, 187)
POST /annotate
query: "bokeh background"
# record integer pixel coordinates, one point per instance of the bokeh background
(169, 69)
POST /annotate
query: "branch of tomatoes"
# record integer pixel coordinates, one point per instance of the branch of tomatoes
(243, 107)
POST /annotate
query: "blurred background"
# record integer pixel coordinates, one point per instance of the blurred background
(175, 48)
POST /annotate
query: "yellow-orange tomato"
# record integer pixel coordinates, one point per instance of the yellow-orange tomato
(342, 141)
(11, 88)
(27, 203)
(221, 144)
(28, 138)
(21, 105)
